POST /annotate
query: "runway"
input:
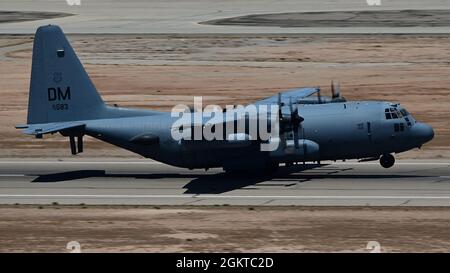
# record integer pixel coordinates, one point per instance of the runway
(146, 182)
(185, 16)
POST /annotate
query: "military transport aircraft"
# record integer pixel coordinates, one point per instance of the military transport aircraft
(311, 128)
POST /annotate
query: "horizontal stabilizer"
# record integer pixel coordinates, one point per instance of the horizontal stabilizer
(46, 128)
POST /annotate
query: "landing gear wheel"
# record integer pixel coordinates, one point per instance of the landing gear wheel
(387, 161)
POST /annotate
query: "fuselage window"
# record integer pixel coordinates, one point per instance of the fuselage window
(399, 127)
(408, 123)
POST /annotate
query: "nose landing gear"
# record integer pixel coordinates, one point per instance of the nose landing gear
(387, 160)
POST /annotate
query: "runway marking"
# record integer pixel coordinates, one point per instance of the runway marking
(397, 163)
(160, 163)
(81, 162)
(206, 196)
(14, 174)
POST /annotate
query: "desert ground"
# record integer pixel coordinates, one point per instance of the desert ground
(223, 229)
(148, 54)
(159, 71)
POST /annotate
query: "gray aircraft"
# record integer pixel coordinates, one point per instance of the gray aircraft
(312, 127)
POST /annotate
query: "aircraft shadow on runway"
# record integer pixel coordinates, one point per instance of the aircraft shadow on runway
(221, 182)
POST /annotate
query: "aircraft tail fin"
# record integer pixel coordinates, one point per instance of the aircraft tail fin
(60, 88)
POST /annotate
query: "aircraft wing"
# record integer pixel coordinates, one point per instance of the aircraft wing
(295, 94)
(46, 128)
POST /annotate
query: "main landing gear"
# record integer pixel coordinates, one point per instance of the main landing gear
(387, 160)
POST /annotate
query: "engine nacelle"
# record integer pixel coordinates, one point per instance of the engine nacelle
(307, 150)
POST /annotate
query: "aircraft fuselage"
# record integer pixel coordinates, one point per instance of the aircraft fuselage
(348, 130)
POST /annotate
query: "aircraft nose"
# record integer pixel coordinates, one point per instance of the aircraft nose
(423, 132)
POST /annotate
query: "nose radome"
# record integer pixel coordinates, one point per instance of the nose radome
(423, 132)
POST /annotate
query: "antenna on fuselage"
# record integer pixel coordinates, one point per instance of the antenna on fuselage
(319, 96)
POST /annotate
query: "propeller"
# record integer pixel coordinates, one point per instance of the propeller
(319, 96)
(335, 89)
(296, 119)
(289, 121)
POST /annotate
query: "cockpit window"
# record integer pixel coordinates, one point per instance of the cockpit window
(392, 113)
(404, 112)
